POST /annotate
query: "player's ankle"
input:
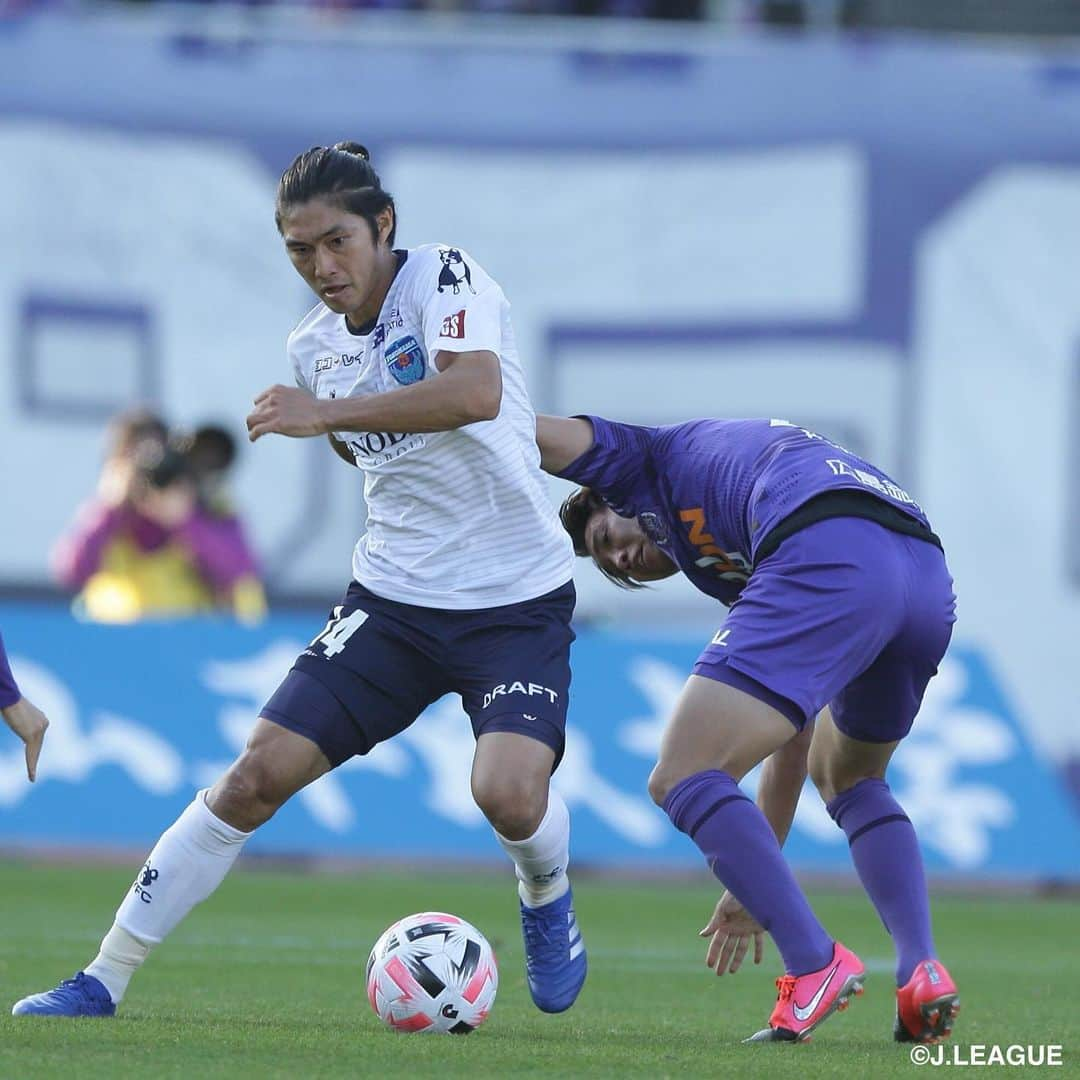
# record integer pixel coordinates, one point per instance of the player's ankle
(535, 896)
(120, 956)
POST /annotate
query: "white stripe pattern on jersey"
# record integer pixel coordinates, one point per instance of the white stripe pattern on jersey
(456, 519)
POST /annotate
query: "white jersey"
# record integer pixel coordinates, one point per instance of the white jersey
(456, 519)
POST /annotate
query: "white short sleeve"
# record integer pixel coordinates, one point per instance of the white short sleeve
(300, 382)
(297, 366)
(462, 308)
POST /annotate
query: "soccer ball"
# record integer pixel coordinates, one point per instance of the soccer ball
(432, 972)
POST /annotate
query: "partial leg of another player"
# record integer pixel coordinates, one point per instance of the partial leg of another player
(511, 784)
(850, 775)
(186, 865)
(717, 734)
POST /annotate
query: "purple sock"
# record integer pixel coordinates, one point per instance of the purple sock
(741, 850)
(886, 854)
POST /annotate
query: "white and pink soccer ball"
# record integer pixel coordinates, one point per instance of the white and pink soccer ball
(432, 972)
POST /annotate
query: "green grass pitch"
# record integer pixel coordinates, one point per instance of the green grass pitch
(266, 980)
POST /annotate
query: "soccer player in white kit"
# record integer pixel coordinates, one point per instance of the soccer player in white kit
(462, 581)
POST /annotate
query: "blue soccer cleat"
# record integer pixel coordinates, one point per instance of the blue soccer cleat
(555, 962)
(82, 996)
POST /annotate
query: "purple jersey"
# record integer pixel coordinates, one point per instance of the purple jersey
(9, 692)
(708, 492)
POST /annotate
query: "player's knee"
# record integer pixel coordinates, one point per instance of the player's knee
(661, 781)
(830, 779)
(515, 807)
(248, 794)
(834, 778)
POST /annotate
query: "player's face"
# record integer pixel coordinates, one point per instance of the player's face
(336, 254)
(619, 545)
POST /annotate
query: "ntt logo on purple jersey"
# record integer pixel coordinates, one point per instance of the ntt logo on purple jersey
(532, 689)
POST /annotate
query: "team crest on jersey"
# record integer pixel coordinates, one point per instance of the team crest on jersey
(405, 360)
(455, 272)
(653, 527)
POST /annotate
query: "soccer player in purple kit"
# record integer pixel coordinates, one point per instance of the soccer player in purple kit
(21, 715)
(841, 609)
(408, 364)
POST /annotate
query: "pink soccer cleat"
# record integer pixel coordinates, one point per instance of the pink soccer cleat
(926, 1005)
(804, 1001)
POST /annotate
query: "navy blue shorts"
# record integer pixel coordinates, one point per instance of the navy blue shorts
(379, 663)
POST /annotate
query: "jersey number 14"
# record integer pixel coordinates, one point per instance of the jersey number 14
(338, 630)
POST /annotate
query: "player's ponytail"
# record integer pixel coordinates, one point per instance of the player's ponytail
(353, 148)
(341, 174)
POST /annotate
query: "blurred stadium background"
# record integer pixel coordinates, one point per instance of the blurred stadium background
(862, 216)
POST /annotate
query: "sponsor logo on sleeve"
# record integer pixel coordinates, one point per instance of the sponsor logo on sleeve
(405, 360)
(455, 272)
(453, 326)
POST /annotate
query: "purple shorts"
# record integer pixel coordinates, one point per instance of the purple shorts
(845, 613)
(379, 663)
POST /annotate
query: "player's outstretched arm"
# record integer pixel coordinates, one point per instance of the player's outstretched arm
(29, 723)
(468, 389)
(562, 440)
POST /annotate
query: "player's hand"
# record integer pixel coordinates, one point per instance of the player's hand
(285, 410)
(29, 723)
(731, 929)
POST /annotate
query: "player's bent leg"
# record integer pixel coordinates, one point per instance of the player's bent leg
(274, 766)
(186, 865)
(511, 774)
(849, 773)
(837, 762)
(510, 777)
(716, 726)
(717, 733)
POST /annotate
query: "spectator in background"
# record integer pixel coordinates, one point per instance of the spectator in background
(148, 545)
(212, 454)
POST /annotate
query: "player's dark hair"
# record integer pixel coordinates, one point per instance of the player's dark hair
(575, 514)
(342, 174)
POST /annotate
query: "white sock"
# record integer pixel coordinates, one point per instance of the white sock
(540, 860)
(120, 956)
(187, 864)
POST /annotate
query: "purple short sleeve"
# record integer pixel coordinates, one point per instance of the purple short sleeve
(613, 465)
(9, 691)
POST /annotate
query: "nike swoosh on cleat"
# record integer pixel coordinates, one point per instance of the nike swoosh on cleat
(805, 1013)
